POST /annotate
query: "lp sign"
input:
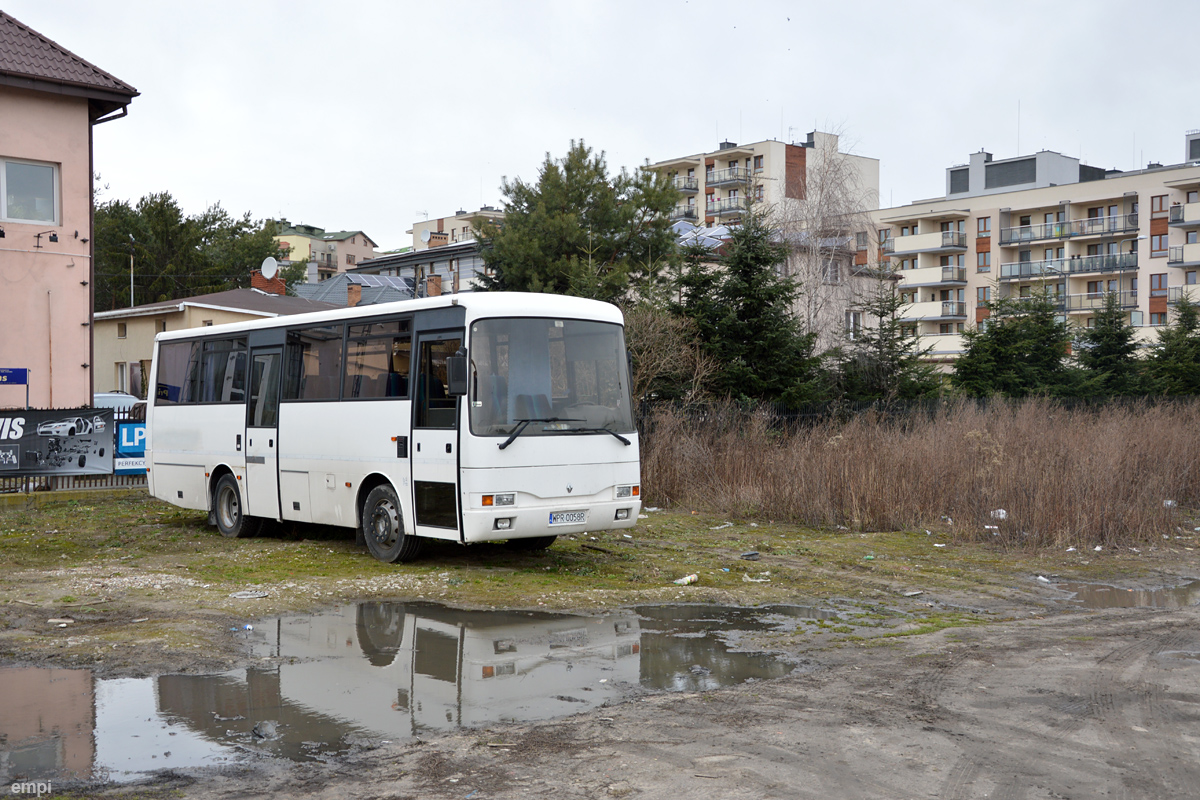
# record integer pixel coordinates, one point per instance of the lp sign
(131, 449)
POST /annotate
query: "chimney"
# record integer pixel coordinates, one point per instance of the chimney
(433, 286)
(275, 285)
(353, 294)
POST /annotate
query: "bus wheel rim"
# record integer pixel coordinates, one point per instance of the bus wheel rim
(385, 523)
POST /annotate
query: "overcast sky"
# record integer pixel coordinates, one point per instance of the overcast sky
(370, 115)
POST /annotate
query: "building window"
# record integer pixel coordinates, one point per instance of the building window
(1190, 278)
(349, 258)
(1191, 237)
(832, 272)
(983, 294)
(884, 234)
(208, 323)
(1158, 203)
(983, 262)
(160, 326)
(758, 161)
(1091, 322)
(28, 191)
(1158, 285)
(121, 330)
(122, 377)
(853, 324)
(904, 231)
(1158, 245)
(1158, 318)
(946, 327)
(860, 240)
(984, 225)
(758, 193)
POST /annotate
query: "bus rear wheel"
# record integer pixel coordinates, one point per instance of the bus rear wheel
(228, 509)
(531, 543)
(382, 527)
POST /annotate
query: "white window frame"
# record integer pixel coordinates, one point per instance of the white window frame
(57, 182)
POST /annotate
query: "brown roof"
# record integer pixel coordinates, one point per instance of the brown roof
(32, 61)
(242, 299)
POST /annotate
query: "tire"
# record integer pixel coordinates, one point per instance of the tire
(227, 508)
(532, 543)
(101, 453)
(82, 461)
(382, 527)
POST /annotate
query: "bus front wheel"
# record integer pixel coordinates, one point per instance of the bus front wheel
(229, 511)
(382, 527)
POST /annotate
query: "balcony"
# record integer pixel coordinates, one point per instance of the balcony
(936, 242)
(1027, 270)
(686, 184)
(1185, 216)
(733, 176)
(941, 345)
(684, 211)
(1095, 226)
(934, 310)
(1097, 301)
(1184, 255)
(727, 207)
(1177, 293)
(932, 276)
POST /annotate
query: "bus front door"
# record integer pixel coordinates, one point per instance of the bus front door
(434, 455)
(262, 434)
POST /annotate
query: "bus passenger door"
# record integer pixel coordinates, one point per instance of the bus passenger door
(261, 492)
(434, 453)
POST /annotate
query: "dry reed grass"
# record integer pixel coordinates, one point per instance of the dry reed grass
(1080, 477)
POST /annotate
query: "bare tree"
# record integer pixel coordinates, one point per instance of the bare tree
(819, 212)
(666, 353)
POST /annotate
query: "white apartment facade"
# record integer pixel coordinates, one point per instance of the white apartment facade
(1016, 227)
(451, 230)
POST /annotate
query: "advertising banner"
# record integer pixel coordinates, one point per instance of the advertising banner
(131, 448)
(76, 441)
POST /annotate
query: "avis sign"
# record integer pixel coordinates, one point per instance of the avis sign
(58, 442)
(131, 449)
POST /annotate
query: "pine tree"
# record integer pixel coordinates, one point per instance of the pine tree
(1174, 364)
(1107, 352)
(1020, 350)
(577, 230)
(881, 363)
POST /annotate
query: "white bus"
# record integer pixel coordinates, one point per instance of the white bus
(471, 417)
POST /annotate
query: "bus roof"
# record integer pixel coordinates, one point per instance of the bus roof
(476, 304)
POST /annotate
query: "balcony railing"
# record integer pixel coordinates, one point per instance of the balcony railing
(686, 184)
(954, 274)
(1119, 223)
(1186, 216)
(1095, 301)
(887, 245)
(720, 177)
(1177, 293)
(730, 205)
(684, 212)
(1023, 270)
(953, 308)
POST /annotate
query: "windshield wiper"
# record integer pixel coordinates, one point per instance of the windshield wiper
(525, 423)
(621, 438)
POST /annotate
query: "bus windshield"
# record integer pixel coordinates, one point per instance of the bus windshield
(560, 375)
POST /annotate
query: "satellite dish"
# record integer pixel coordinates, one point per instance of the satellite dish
(425, 235)
(270, 267)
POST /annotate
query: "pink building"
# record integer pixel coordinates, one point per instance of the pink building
(49, 100)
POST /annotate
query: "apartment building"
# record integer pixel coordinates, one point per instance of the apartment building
(451, 230)
(1044, 222)
(331, 251)
(815, 196)
(716, 186)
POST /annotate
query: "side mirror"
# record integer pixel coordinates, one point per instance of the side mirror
(456, 375)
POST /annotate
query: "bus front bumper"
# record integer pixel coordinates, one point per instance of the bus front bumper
(549, 519)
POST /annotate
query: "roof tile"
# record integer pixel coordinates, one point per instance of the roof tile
(27, 53)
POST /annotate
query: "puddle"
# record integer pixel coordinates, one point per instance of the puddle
(360, 674)
(1098, 595)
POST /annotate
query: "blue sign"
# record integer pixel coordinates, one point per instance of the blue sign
(14, 376)
(130, 458)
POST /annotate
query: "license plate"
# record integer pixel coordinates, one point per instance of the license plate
(568, 517)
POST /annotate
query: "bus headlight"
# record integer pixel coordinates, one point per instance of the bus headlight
(503, 524)
(628, 491)
(622, 513)
(500, 499)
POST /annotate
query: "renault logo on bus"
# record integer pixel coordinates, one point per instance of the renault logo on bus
(570, 488)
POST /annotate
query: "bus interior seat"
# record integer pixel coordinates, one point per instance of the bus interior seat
(397, 385)
(534, 406)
